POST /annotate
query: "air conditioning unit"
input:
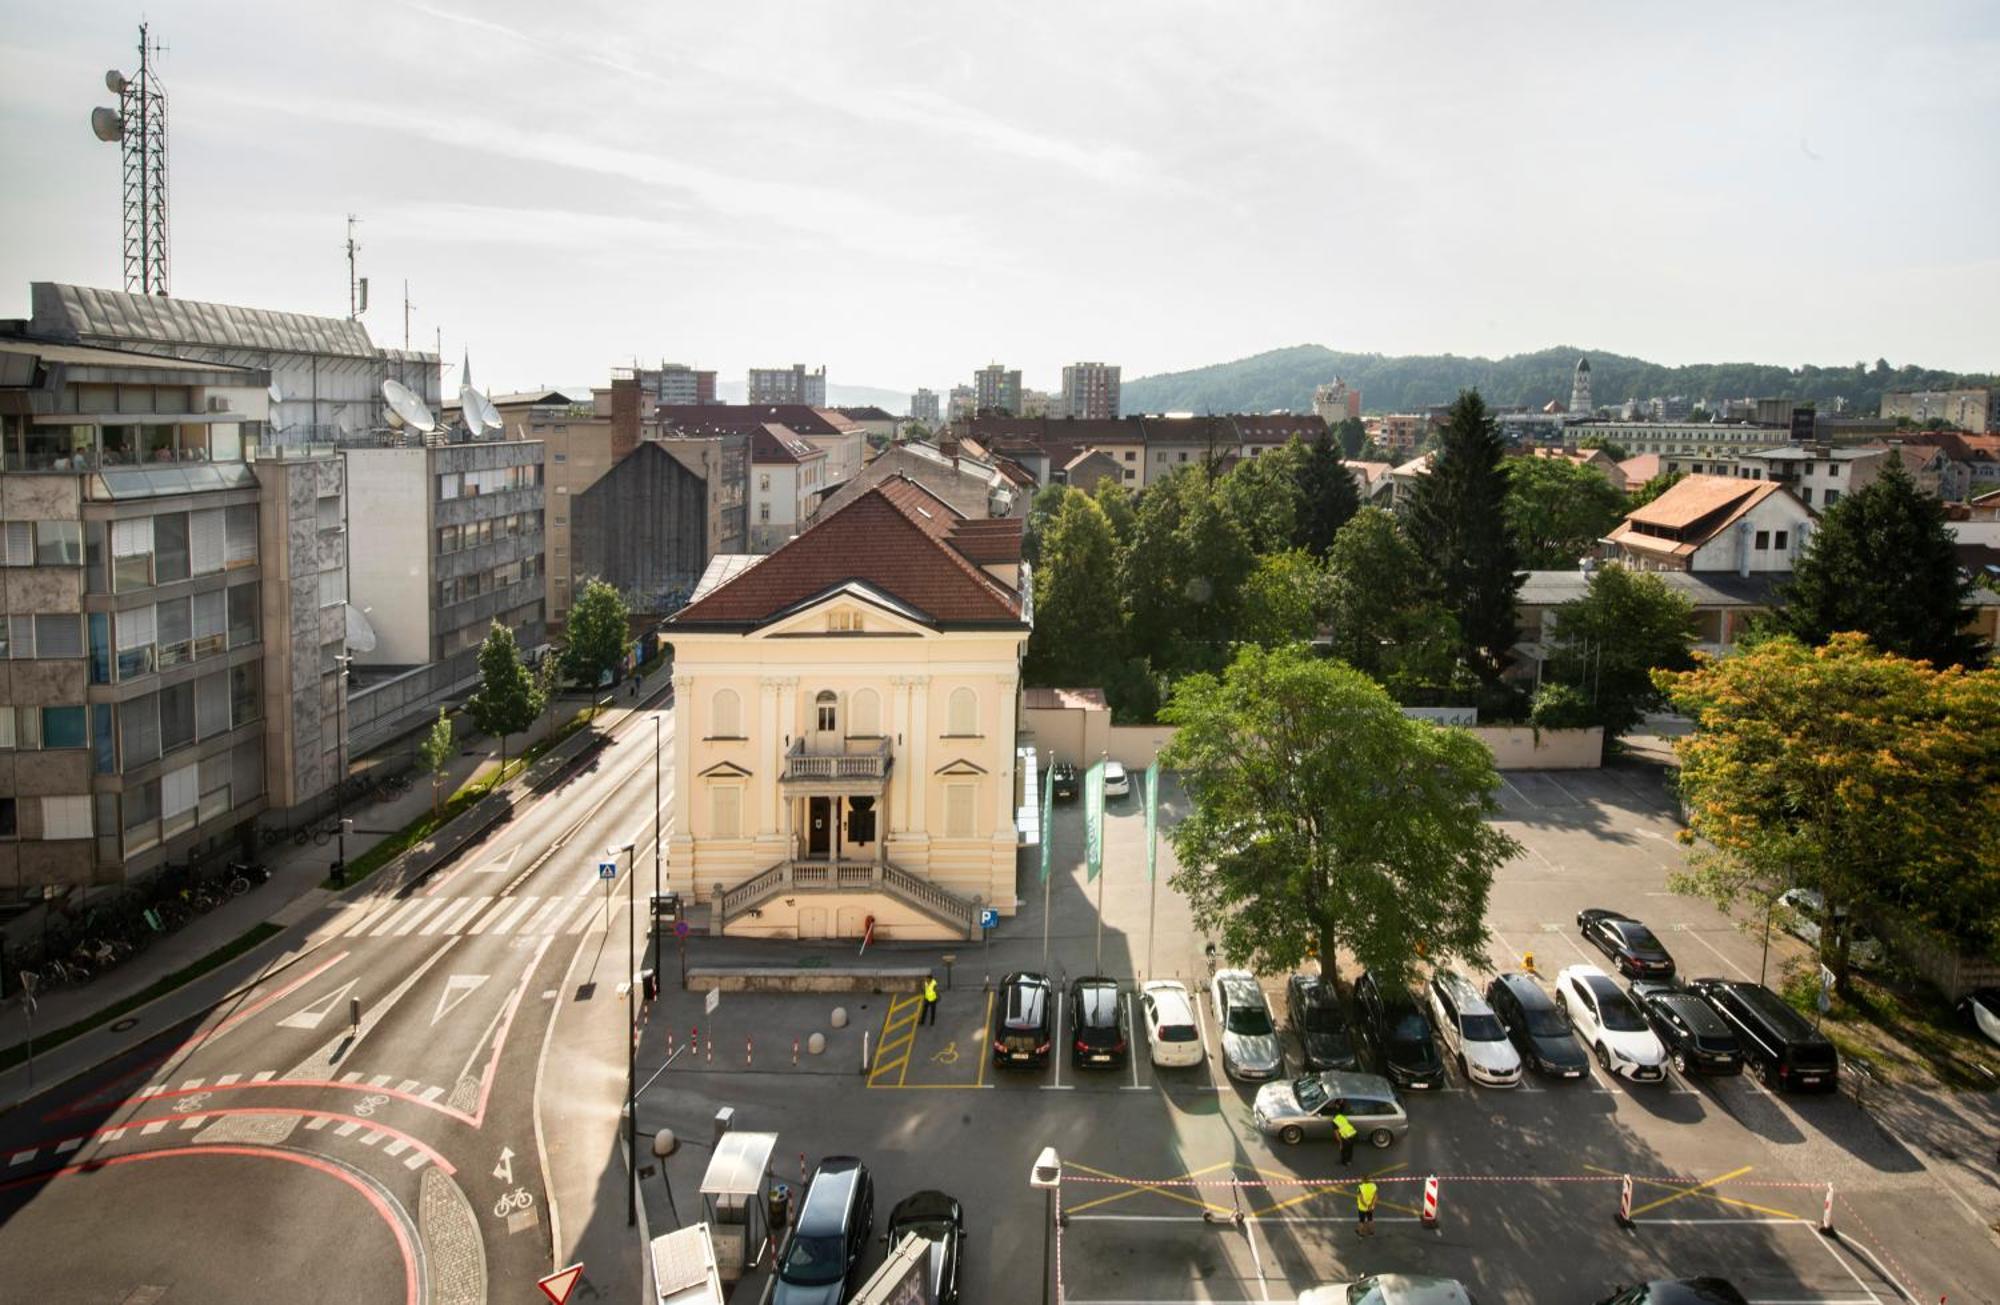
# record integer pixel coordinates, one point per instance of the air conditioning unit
(219, 403)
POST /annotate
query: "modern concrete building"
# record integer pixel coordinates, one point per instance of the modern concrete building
(792, 384)
(996, 389)
(641, 527)
(722, 459)
(1090, 389)
(1819, 476)
(962, 403)
(674, 383)
(1976, 411)
(924, 408)
(1697, 448)
(1337, 401)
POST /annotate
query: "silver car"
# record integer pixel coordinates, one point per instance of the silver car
(1391, 1289)
(1250, 1046)
(1304, 1108)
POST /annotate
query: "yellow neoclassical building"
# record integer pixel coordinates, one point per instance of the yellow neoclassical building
(845, 719)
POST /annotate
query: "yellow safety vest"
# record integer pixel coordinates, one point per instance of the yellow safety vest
(1341, 1126)
(1364, 1200)
(930, 989)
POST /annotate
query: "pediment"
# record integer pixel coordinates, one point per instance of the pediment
(725, 770)
(961, 766)
(869, 611)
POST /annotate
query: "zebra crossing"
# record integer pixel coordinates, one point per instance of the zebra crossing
(523, 915)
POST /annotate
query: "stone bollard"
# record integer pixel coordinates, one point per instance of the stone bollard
(816, 1044)
(839, 1017)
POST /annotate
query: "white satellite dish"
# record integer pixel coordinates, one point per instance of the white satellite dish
(114, 81)
(360, 634)
(406, 409)
(107, 125)
(480, 414)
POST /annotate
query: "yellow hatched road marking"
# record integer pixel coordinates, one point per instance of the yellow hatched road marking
(984, 1031)
(1312, 1193)
(1138, 1186)
(902, 1013)
(1700, 1190)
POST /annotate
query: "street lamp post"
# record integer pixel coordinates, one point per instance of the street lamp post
(341, 662)
(631, 1037)
(1047, 1175)
(653, 914)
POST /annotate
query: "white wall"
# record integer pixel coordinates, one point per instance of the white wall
(389, 552)
(1778, 512)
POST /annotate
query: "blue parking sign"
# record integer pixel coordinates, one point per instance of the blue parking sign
(989, 918)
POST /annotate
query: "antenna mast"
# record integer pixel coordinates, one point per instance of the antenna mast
(406, 314)
(357, 287)
(139, 126)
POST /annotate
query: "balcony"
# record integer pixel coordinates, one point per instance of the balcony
(863, 763)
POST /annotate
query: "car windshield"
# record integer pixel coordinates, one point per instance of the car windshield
(1482, 1028)
(1409, 1027)
(1250, 1021)
(813, 1260)
(1310, 1092)
(1639, 937)
(1545, 1023)
(1617, 1013)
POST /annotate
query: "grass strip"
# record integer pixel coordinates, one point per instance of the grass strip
(45, 1042)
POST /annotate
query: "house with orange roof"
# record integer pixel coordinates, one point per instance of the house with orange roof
(1715, 523)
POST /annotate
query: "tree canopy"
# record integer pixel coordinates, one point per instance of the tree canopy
(1078, 635)
(1328, 496)
(1557, 510)
(1381, 618)
(1608, 643)
(1284, 599)
(596, 635)
(508, 699)
(1184, 572)
(434, 753)
(1324, 821)
(1457, 521)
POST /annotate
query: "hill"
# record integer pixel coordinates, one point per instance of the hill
(1285, 378)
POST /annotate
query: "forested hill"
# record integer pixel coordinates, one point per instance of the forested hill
(1285, 378)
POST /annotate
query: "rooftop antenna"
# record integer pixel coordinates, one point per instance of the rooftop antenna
(406, 314)
(139, 126)
(357, 287)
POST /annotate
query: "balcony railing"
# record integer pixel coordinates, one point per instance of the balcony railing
(802, 764)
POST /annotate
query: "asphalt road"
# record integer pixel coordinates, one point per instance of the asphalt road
(316, 1158)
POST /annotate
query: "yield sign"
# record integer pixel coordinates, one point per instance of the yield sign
(558, 1285)
(456, 989)
(310, 1015)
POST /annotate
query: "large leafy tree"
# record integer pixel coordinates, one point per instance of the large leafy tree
(508, 699)
(1184, 573)
(1266, 496)
(1457, 521)
(1608, 643)
(1120, 509)
(1325, 821)
(596, 635)
(1557, 510)
(1328, 496)
(1871, 778)
(1352, 435)
(1042, 509)
(1381, 617)
(1882, 562)
(1078, 634)
(1284, 599)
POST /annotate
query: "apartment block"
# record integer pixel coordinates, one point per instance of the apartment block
(1977, 411)
(997, 390)
(1090, 389)
(792, 384)
(924, 408)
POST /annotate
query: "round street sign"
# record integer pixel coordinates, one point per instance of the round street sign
(680, 928)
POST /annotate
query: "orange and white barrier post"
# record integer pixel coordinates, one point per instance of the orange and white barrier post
(746, 1051)
(1431, 1201)
(795, 1053)
(1625, 1202)
(1826, 1211)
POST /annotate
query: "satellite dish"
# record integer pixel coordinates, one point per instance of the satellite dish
(480, 414)
(114, 81)
(406, 409)
(276, 397)
(360, 634)
(105, 124)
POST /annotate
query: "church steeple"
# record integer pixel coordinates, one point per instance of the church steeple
(1579, 390)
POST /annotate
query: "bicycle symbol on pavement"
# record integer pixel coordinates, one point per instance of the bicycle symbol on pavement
(518, 1199)
(948, 1055)
(368, 1105)
(192, 1103)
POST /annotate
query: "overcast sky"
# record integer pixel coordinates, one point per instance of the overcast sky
(905, 191)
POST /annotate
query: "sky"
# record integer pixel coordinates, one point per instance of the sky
(904, 192)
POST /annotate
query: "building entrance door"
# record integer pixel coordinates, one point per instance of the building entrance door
(819, 827)
(812, 922)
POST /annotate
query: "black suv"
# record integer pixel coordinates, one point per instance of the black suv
(1065, 782)
(1097, 1020)
(1776, 1039)
(1696, 1038)
(1398, 1031)
(1536, 1026)
(1023, 1020)
(824, 1247)
(1312, 1008)
(1678, 1291)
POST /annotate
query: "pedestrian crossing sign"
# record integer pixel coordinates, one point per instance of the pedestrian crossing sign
(607, 869)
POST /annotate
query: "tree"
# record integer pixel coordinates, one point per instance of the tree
(1182, 577)
(1078, 633)
(1328, 497)
(1352, 434)
(1557, 510)
(1284, 599)
(1266, 496)
(1381, 618)
(1612, 449)
(599, 629)
(1884, 563)
(1116, 500)
(1652, 489)
(507, 700)
(1872, 778)
(1042, 509)
(1609, 642)
(435, 754)
(1457, 521)
(1324, 821)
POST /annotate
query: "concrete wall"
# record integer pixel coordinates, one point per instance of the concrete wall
(1515, 747)
(642, 527)
(390, 550)
(301, 702)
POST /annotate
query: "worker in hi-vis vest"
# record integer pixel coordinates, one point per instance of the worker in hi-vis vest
(1346, 1130)
(1364, 1209)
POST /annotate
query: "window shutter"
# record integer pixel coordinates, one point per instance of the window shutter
(139, 730)
(206, 535)
(211, 614)
(180, 790)
(136, 629)
(173, 622)
(211, 705)
(66, 817)
(240, 544)
(21, 636)
(19, 546)
(6, 727)
(59, 635)
(132, 538)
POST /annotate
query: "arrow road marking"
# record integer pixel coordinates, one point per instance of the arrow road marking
(504, 1171)
(456, 989)
(310, 1016)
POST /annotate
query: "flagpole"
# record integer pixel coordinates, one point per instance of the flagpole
(1048, 838)
(1152, 842)
(1098, 967)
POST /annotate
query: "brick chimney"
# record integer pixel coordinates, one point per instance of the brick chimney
(624, 416)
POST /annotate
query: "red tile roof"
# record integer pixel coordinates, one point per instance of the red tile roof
(775, 443)
(738, 416)
(989, 541)
(898, 538)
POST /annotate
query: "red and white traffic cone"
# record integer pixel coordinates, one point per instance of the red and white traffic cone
(1625, 1202)
(1431, 1201)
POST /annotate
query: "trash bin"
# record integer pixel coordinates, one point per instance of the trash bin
(649, 984)
(779, 1201)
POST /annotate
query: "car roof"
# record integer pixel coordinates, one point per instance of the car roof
(1464, 989)
(1239, 985)
(1529, 993)
(1604, 913)
(1693, 1291)
(831, 1191)
(1315, 988)
(925, 1206)
(1028, 977)
(1345, 1083)
(1110, 766)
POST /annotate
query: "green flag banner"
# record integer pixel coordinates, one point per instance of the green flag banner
(1093, 820)
(1152, 818)
(1048, 815)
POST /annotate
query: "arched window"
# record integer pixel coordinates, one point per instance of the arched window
(826, 704)
(865, 718)
(725, 715)
(963, 714)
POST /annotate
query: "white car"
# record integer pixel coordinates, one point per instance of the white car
(1472, 1032)
(1172, 1037)
(1390, 1289)
(1609, 1024)
(1802, 909)
(1116, 782)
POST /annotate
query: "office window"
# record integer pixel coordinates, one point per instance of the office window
(66, 817)
(17, 637)
(211, 704)
(180, 793)
(208, 534)
(6, 727)
(211, 619)
(175, 631)
(449, 484)
(59, 543)
(139, 731)
(959, 802)
(328, 511)
(176, 717)
(59, 636)
(17, 544)
(141, 814)
(137, 633)
(239, 542)
(726, 811)
(962, 712)
(244, 686)
(63, 727)
(170, 547)
(104, 739)
(131, 554)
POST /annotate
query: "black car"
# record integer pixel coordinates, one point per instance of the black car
(1312, 1008)
(1065, 782)
(1536, 1026)
(1777, 1041)
(1630, 945)
(1678, 1291)
(1097, 1023)
(823, 1248)
(1696, 1038)
(1399, 1033)
(1023, 1020)
(939, 1220)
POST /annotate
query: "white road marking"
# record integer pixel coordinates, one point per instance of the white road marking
(193, 1122)
(366, 916)
(431, 1094)
(1740, 971)
(68, 1144)
(317, 1122)
(456, 989)
(264, 1076)
(396, 1147)
(370, 1138)
(449, 917)
(555, 922)
(514, 917)
(410, 919)
(351, 1077)
(500, 906)
(192, 1084)
(396, 913)
(542, 916)
(406, 1085)
(1132, 1039)
(314, 1012)
(111, 1135)
(227, 1079)
(584, 919)
(380, 1080)
(416, 1160)
(153, 1128)
(348, 1129)
(22, 1157)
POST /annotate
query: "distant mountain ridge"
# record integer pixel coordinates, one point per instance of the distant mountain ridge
(1286, 378)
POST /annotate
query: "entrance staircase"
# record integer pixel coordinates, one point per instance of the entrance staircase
(794, 877)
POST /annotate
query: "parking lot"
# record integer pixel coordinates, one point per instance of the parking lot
(1171, 1194)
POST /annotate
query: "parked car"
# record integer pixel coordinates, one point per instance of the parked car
(1116, 782)
(1981, 1009)
(1064, 782)
(1630, 945)
(1538, 1029)
(1678, 1291)
(1472, 1032)
(1696, 1038)
(939, 1220)
(1312, 1009)
(1778, 1041)
(1172, 1037)
(1304, 1108)
(1250, 1047)
(1391, 1289)
(1398, 1033)
(1804, 910)
(1610, 1025)
(1023, 1020)
(1098, 1036)
(823, 1248)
